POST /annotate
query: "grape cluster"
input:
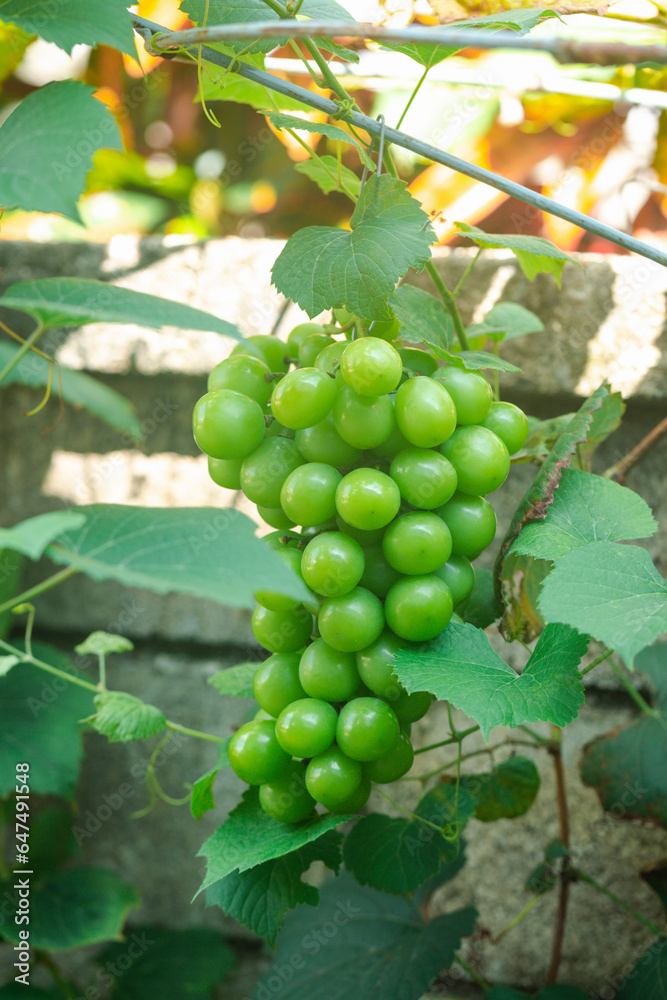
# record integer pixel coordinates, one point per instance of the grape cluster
(382, 460)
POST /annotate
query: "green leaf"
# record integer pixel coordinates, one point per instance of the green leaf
(280, 120)
(104, 643)
(43, 158)
(261, 897)
(610, 591)
(382, 948)
(445, 873)
(534, 254)
(248, 837)
(227, 85)
(324, 172)
(39, 724)
(586, 508)
(656, 878)
(235, 682)
(31, 537)
(546, 875)
(172, 965)
(13, 43)
(11, 569)
(76, 907)
(16, 991)
(322, 267)
(648, 979)
(462, 667)
(397, 855)
(6, 664)
(507, 791)
(201, 798)
(506, 321)
(422, 317)
(121, 717)
(52, 840)
(74, 301)
(628, 766)
(477, 360)
(482, 608)
(511, 573)
(78, 389)
(207, 552)
(91, 22)
(211, 12)
(547, 993)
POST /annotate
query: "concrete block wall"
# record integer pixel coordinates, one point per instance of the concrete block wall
(608, 322)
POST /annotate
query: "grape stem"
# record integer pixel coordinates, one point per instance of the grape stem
(445, 743)
(581, 877)
(450, 304)
(620, 471)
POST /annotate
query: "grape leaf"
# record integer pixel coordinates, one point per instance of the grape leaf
(103, 643)
(74, 301)
(40, 722)
(172, 965)
(13, 43)
(507, 791)
(280, 120)
(382, 947)
(648, 979)
(462, 667)
(482, 608)
(445, 873)
(31, 537)
(422, 317)
(586, 508)
(261, 897)
(249, 837)
(558, 992)
(201, 798)
(610, 591)
(397, 855)
(78, 389)
(322, 267)
(534, 254)
(220, 84)
(47, 145)
(324, 172)
(207, 552)
(91, 22)
(477, 360)
(506, 321)
(235, 682)
(73, 908)
(121, 717)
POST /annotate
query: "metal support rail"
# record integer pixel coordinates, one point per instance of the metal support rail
(147, 29)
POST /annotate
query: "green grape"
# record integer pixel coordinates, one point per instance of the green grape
(323, 443)
(420, 362)
(307, 727)
(272, 349)
(425, 478)
(243, 373)
(367, 728)
(327, 673)
(392, 445)
(378, 575)
(371, 366)
(470, 391)
(311, 347)
(356, 801)
(276, 429)
(276, 682)
(332, 564)
(393, 764)
(329, 358)
(410, 708)
(425, 412)
(280, 602)
(307, 534)
(417, 543)
(343, 316)
(280, 539)
(282, 631)
(298, 334)
(286, 798)
(418, 607)
(371, 537)
(375, 666)
(459, 576)
(260, 716)
(227, 424)
(303, 398)
(471, 522)
(308, 495)
(255, 754)
(367, 499)
(363, 421)
(226, 472)
(332, 778)
(264, 472)
(352, 621)
(275, 517)
(509, 423)
(481, 459)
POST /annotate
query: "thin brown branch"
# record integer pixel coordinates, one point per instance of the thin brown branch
(620, 471)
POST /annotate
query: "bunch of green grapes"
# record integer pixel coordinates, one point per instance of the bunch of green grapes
(372, 465)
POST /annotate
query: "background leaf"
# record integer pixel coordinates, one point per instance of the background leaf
(121, 717)
(507, 791)
(534, 254)
(422, 317)
(261, 897)
(462, 667)
(507, 321)
(235, 682)
(324, 172)
(201, 797)
(477, 361)
(280, 120)
(36, 172)
(482, 608)
(92, 22)
(247, 11)
(31, 537)
(648, 979)
(382, 947)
